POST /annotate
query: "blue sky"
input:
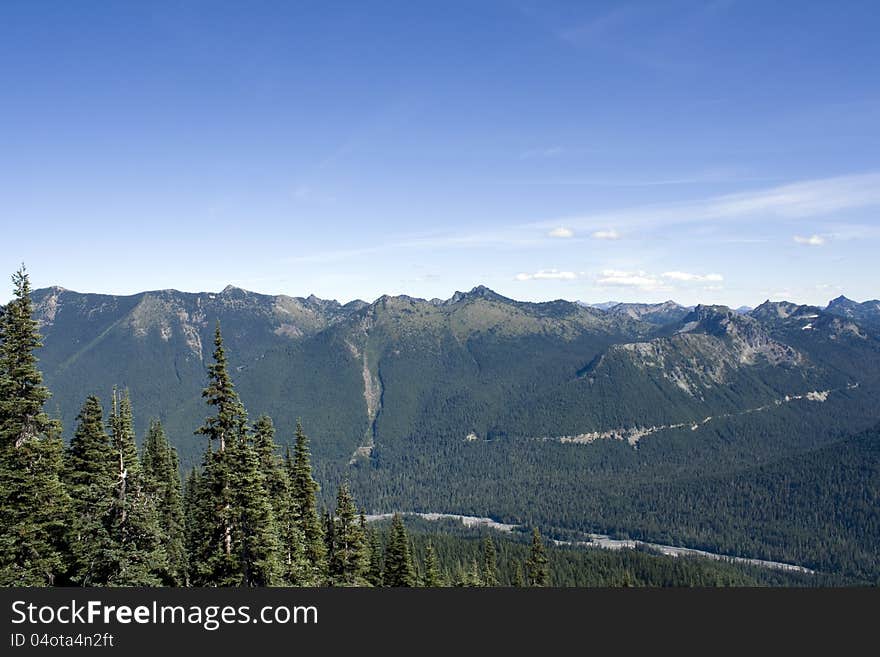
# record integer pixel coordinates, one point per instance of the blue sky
(723, 152)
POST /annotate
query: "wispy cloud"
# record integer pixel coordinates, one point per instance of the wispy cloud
(687, 277)
(561, 232)
(812, 240)
(548, 275)
(791, 201)
(811, 198)
(609, 234)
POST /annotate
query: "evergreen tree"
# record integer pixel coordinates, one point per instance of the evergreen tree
(255, 534)
(346, 565)
(212, 559)
(461, 576)
(162, 484)
(89, 476)
(432, 577)
(490, 567)
(238, 542)
(196, 508)
(537, 563)
(230, 420)
(136, 555)
(214, 556)
(290, 539)
(399, 570)
(272, 467)
(329, 528)
(34, 504)
(304, 491)
(374, 572)
(518, 578)
(468, 576)
(365, 554)
(474, 576)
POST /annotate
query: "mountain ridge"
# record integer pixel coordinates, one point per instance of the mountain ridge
(839, 303)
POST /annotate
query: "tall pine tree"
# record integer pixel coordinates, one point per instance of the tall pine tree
(162, 484)
(294, 567)
(365, 554)
(432, 577)
(238, 540)
(374, 572)
(196, 507)
(304, 505)
(34, 504)
(490, 566)
(519, 579)
(399, 569)
(89, 476)
(137, 555)
(213, 557)
(537, 569)
(255, 534)
(347, 566)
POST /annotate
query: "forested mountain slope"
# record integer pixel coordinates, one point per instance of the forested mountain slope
(477, 364)
(569, 417)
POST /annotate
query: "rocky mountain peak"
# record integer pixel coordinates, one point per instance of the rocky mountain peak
(479, 292)
(840, 301)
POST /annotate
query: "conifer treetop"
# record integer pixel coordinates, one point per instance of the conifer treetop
(22, 393)
(230, 421)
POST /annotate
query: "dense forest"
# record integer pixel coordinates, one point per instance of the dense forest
(819, 508)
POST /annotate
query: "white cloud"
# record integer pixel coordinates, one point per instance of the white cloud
(610, 234)
(812, 240)
(647, 281)
(637, 279)
(548, 275)
(688, 277)
(561, 232)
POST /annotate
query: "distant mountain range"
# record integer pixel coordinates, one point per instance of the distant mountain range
(555, 413)
(365, 372)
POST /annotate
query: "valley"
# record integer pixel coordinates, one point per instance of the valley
(598, 541)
